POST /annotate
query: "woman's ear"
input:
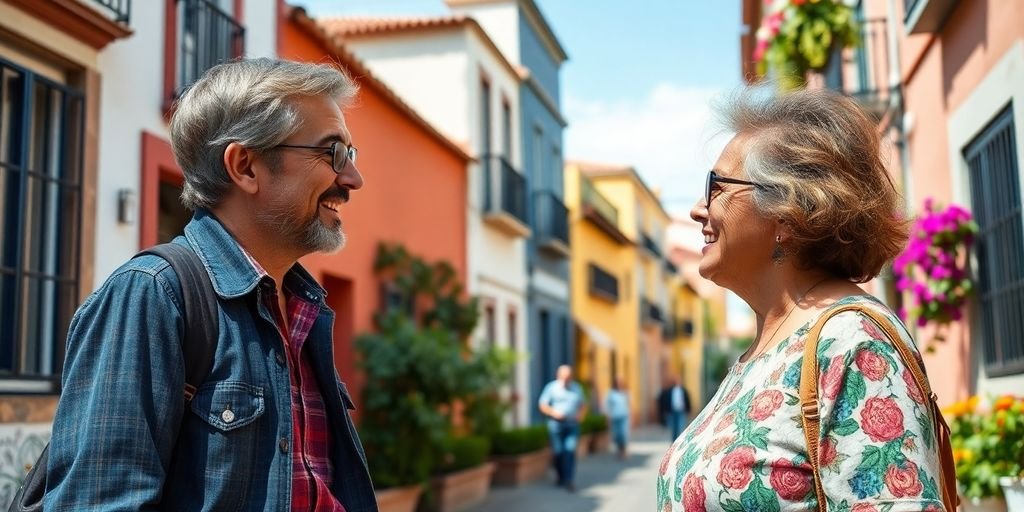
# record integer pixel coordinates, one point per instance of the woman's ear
(238, 162)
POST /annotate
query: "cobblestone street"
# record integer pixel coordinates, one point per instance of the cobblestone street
(604, 483)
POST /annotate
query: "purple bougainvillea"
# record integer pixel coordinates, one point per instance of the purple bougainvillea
(933, 265)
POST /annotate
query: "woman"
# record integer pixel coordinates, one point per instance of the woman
(799, 208)
(616, 405)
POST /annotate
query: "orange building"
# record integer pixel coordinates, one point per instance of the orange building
(415, 191)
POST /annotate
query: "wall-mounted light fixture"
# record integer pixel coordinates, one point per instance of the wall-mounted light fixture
(126, 206)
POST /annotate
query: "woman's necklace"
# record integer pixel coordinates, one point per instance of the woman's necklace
(783, 322)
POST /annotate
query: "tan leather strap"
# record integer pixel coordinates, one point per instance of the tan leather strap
(810, 407)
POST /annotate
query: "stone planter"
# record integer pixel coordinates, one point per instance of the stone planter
(982, 505)
(461, 489)
(601, 442)
(399, 499)
(1013, 490)
(521, 469)
(583, 445)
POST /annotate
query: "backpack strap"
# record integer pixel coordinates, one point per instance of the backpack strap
(809, 406)
(201, 311)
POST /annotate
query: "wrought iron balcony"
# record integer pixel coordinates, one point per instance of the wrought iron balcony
(504, 196)
(208, 36)
(120, 11)
(863, 72)
(650, 312)
(551, 222)
(602, 284)
(600, 211)
(650, 245)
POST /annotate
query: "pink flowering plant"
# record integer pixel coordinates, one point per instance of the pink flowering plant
(933, 267)
(798, 36)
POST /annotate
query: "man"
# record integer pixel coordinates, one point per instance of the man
(268, 162)
(562, 401)
(674, 407)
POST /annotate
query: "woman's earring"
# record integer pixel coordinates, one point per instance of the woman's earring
(778, 254)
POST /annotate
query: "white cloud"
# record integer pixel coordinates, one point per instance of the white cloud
(669, 136)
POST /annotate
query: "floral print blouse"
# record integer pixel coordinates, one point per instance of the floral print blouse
(746, 449)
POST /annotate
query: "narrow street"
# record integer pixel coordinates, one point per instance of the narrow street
(604, 483)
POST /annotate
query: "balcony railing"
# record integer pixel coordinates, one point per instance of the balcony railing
(551, 220)
(119, 10)
(650, 245)
(600, 211)
(863, 72)
(603, 284)
(505, 194)
(650, 312)
(208, 36)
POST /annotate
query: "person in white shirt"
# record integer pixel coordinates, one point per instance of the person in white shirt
(562, 402)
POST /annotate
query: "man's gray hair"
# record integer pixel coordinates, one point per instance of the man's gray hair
(244, 101)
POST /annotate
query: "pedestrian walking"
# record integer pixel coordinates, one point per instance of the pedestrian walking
(829, 405)
(616, 406)
(674, 407)
(562, 401)
(268, 165)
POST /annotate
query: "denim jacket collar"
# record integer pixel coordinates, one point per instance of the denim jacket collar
(232, 274)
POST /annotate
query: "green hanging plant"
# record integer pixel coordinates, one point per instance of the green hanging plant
(799, 36)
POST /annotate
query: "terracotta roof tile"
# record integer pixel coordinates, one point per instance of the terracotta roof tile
(351, 26)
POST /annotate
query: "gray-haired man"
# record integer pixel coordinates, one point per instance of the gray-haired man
(268, 162)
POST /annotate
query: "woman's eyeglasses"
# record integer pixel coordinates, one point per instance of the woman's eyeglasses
(713, 178)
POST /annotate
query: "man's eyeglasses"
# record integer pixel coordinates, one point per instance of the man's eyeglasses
(338, 160)
(713, 178)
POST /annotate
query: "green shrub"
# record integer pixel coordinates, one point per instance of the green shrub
(465, 452)
(592, 423)
(520, 440)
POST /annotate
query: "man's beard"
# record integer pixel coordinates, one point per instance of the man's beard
(308, 235)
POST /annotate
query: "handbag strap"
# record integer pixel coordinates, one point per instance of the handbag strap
(809, 406)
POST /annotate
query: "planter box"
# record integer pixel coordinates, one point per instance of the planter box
(399, 499)
(601, 442)
(1013, 490)
(583, 445)
(982, 505)
(456, 491)
(521, 469)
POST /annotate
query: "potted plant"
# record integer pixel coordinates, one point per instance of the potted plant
(933, 267)
(465, 474)
(597, 425)
(521, 455)
(988, 446)
(800, 36)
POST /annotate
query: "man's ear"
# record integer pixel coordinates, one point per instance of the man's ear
(238, 161)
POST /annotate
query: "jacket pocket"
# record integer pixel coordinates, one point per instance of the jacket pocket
(225, 439)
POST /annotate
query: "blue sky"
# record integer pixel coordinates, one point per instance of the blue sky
(638, 84)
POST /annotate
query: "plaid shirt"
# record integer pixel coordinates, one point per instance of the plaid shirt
(312, 473)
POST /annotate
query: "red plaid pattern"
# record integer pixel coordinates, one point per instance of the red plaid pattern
(312, 473)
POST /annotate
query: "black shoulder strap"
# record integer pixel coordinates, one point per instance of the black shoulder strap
(201, 324)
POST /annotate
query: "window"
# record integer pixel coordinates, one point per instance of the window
(995, 194)
(603, 284)
(506, 130)
(41, 139)
(208, 33)
(538, 155)
(490, 329)
(485, 117)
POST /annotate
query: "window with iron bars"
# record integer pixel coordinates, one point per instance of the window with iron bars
(996, 200)
(208, 34)
(41, 139)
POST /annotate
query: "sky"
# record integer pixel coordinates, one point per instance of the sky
(638, 88)
(639, 83)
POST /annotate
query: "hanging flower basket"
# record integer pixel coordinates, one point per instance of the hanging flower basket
(800, 36)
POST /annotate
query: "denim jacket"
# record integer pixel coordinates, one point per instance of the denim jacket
(124, 438)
